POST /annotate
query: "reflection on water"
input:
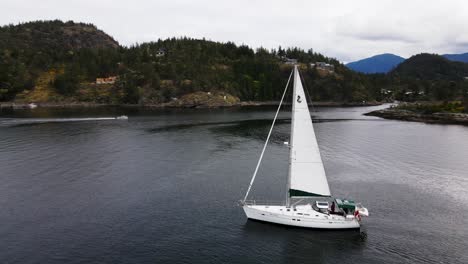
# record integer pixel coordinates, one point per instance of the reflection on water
(298, 245)
(35, 121)
(163, 185)
(236, 125)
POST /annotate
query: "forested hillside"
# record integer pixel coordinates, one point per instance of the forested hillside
(432, 67)
(70, 56)
(430, 77)
(53, 61)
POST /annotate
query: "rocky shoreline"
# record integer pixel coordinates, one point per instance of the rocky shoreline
(14, 105)
(406, 115)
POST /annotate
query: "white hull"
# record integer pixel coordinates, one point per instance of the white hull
(300, 217)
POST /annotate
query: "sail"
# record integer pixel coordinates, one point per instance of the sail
(306, 172)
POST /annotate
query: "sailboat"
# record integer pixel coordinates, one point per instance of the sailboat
(309, 202)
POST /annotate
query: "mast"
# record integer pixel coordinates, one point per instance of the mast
(288, 186)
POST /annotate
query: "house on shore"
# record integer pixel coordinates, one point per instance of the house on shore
(107, 80)
(385, 91)
(290, 61)
(323, 66)
(160, 53)
(287, 60)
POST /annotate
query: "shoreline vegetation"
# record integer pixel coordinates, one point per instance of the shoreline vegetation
(427, 112)
(14, 105)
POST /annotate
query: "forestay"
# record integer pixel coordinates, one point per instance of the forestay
(306, 172)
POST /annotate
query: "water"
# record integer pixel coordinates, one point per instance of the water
(162, 187)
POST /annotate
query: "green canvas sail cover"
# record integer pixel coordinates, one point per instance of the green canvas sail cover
(345, 204)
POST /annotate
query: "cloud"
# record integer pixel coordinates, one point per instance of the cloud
(376, 28)
(382, 36)
(347, 30)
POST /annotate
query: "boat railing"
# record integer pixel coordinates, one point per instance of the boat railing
(264, 202)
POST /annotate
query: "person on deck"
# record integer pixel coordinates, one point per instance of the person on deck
(332, 207)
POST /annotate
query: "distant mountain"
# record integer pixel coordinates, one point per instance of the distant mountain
(431, 67)
(382, 63)
(457, 57)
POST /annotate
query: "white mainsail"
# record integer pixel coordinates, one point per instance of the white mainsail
(306, 172)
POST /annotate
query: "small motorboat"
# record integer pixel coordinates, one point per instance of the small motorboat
(122, 117)
(32, 105)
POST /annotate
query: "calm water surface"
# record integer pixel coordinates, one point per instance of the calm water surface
(162, 187)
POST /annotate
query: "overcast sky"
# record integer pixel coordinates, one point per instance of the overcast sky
(345, 29)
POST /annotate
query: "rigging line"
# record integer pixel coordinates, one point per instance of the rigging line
(268, 138)
(307, 91)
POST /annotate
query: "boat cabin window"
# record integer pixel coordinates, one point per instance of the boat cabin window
(322, 205)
